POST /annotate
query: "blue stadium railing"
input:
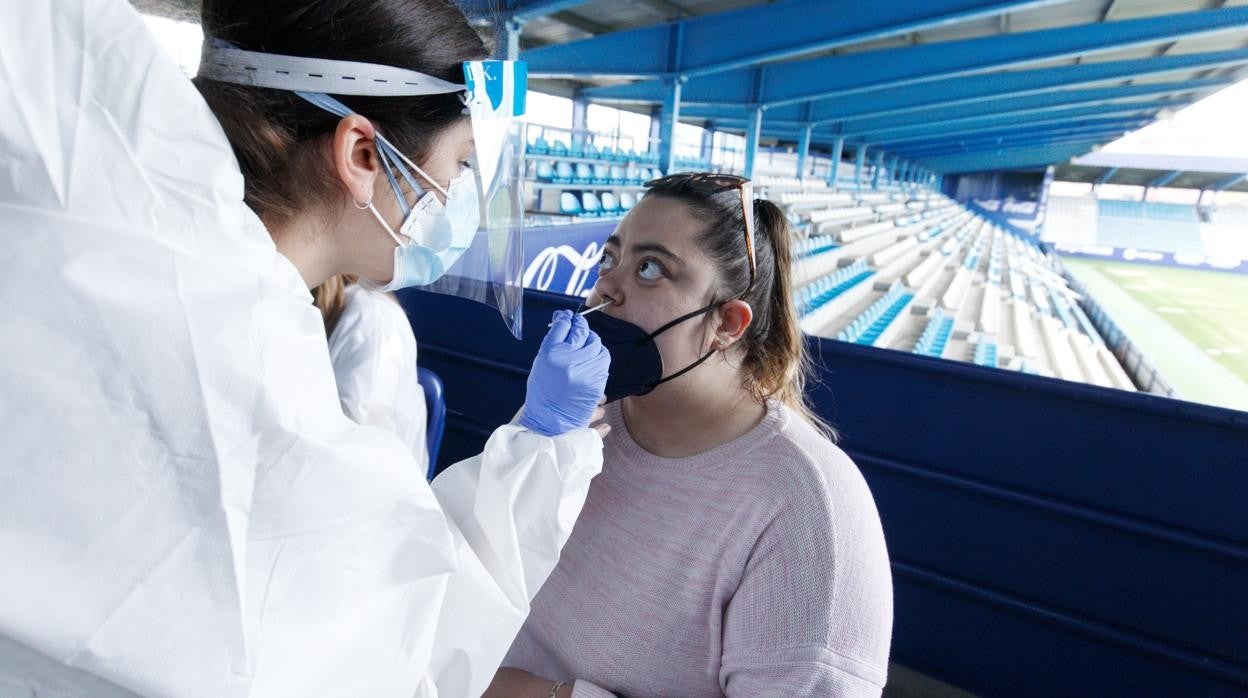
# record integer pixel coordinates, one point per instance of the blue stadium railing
(1047, 537)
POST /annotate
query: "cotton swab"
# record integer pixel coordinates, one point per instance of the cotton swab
(587, 311)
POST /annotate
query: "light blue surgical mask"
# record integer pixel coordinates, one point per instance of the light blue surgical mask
(434, 233)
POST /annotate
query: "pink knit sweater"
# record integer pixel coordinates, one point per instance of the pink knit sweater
(757, 568)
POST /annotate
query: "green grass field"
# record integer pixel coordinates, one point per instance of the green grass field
(1192, 324)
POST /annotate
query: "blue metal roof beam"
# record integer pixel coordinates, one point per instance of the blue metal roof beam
(953, 91)
(1106, 176)
(1165, 179)
(1093, 137)
(1016, 136)
(525, 10)
(1229, 182)
(1027, 157)
(887, 137)
(1047, 101)
(749, 36)
(1014, 140)
(822, 78)
(1131, 119)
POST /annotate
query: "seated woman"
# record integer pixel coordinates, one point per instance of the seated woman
(728, 547)
(373, 352)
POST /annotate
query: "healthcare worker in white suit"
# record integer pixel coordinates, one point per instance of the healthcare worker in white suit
(184, 508)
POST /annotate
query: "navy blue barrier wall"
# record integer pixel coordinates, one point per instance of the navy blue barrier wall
(1047, 538)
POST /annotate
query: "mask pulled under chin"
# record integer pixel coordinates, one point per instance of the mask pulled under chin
(636, 364)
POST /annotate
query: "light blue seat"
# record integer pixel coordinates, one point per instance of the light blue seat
(584, 174)
(627, 201)
(569, 205)
(563, 172)
(545, 171)
(592, 206)
(617, 175)
(559, 148)
(591, 151)
(540, 146)
(610, 204)
(602, 174)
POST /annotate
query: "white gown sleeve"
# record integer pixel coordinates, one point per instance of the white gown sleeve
(184, 508)
(373, 353)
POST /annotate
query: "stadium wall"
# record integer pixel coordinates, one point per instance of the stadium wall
(1047, 537)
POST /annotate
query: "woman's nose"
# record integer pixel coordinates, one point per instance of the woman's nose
(605, 288)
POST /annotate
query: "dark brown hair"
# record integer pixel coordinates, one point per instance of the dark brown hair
(276, 135)
(775, 361)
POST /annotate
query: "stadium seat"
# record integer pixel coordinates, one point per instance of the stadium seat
(569, 205)
(584, 174)
(563, 172)
(540, 146)
(592, 206)
(602, 174)
(559, 148)
(545, 171)
(617, 175)
(591, 151)
(627, 201)
(610, 205)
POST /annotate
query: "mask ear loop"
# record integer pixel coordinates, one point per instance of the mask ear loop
(368, 205)
(673, 323)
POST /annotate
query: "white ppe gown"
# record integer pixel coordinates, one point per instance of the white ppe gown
(184, 508)
(373, 352)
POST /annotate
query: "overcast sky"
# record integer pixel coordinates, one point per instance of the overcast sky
(1216, 125)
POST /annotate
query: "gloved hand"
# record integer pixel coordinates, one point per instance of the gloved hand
(568, 377)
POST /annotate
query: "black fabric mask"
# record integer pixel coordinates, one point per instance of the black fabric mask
(636, 364)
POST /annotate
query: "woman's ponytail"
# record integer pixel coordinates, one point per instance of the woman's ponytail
(777, 360)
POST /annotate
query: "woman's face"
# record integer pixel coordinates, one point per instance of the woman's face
(449, 153)
(653, 272)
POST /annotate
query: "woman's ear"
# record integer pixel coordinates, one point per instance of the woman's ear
(733, 319)
(354, 157)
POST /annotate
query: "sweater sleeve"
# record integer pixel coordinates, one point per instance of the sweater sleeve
(812, 614)
(585, 689)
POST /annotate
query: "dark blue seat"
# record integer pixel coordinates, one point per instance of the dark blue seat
(435, 415)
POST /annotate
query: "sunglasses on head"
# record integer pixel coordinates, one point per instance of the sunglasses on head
(709, 184)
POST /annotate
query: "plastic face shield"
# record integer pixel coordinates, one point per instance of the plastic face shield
(490, 270)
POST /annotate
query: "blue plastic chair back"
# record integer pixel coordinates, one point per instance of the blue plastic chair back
(569, 204)
(435, 415)
(591, 204)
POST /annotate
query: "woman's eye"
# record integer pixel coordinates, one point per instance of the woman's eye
(606, 262)
(650, 270)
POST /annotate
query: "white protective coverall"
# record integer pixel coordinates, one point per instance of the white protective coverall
(184, 508)
(373, 352)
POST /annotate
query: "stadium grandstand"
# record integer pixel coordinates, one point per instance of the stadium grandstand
(1060, 469)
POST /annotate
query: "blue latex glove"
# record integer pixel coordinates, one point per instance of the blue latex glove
(568, 377)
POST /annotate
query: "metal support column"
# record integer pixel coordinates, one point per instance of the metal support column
(860, 161)
(667, 128)
(875, 173)
(838, 149)
(513, 27)
(753, 131)
(803, 150)
(708, 144)
(580, 107)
